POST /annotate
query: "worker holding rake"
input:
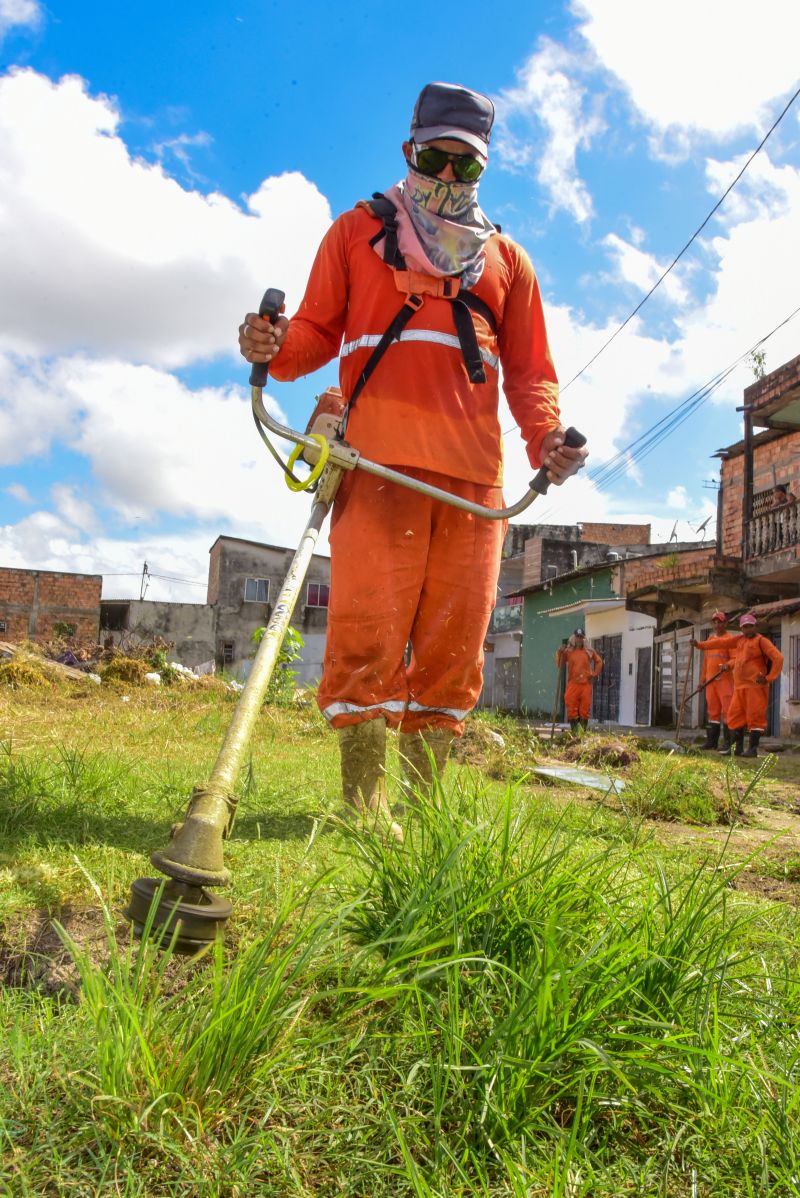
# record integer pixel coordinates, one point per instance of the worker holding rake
(756, 664)
(423, 300)
(719, 652)
(583, 666)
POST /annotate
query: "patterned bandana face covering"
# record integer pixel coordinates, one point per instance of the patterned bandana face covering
(449, 223)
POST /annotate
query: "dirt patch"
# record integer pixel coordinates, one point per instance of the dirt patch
(775, 890)
(613, 753)
(32, 955)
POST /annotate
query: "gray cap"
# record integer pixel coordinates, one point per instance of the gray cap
(449, 110)
(579, 632)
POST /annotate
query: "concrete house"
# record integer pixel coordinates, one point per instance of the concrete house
(244, 581)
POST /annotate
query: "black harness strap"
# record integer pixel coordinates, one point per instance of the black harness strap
(413, 304)
(464, 303)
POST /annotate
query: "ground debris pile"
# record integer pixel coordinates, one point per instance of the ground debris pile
(21, 672)
(602, 751)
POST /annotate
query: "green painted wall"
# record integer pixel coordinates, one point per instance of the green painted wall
(542, 634)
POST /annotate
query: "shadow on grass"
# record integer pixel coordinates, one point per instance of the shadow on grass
(298, 826)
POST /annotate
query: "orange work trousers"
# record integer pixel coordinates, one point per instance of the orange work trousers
(578, 700)
(718, 698)
(748, 708)
(407, 569)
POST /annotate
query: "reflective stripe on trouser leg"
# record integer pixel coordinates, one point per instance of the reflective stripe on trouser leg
(748, 708)
(578, 700)
(387, 544)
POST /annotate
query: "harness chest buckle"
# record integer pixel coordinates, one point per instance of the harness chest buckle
(416, 282)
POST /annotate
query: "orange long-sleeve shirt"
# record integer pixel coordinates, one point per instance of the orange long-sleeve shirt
(719, 652)
(419, 408)
(582, 664)
(754, 655)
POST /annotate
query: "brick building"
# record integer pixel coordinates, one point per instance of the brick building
(754, 566)
(39, 604)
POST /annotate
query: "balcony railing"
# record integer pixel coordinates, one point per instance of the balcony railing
(773, 530)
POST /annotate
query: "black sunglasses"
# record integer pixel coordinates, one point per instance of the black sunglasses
(430, 161)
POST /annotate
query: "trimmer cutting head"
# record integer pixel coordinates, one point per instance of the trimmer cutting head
(198, 915)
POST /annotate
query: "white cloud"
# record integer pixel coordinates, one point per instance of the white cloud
(678, 498)
(643, 270)
(716, 67)
(72, 509)
(20, 493)
(109, 255)
(18, 13)
(547, 93)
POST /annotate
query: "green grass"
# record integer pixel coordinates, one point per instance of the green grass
(530, 997)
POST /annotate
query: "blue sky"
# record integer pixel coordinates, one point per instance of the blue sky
(161, 165)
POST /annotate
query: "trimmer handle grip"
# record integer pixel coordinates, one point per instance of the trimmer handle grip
(270, 306)
(572, 440)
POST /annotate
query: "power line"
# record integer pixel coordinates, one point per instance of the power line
(693, 237)
(647, 441)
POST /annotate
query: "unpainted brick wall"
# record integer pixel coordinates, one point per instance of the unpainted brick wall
(616, 534)
(667, 570)
(776, 461)
(32, 602)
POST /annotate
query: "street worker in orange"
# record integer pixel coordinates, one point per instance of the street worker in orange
(757, 663)
(424, 301)
(583, 667)
(717, 678)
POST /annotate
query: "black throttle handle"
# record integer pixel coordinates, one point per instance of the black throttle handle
(572, 440)
(270, 306)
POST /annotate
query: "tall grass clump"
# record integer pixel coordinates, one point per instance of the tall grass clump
(172, 1036)
(553, 991)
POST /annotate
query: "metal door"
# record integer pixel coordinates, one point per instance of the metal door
(644, 678)
(605, 694)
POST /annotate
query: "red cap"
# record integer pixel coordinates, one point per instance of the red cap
(720, 615)
(748, 618)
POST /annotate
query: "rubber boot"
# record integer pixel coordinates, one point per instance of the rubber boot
(362, 749)
(712, 737)
(738, 742)
(752, 747)
(584, 725)
(575, 727)
(416, 762)
(725, 747)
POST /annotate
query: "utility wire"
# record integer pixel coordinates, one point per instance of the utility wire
(611, 470)
(693, 237)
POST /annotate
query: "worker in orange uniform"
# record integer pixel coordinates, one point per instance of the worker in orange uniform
(423, 300)
(717, 678)
(757, 663)
(583, 667)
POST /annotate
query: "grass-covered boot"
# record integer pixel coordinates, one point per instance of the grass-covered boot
(415, 758)
(712, 737)
(752, 746)
(575, 727)
(362, 749)
(725, 747)
(738, 742)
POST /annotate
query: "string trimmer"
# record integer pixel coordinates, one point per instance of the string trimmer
(193, 861)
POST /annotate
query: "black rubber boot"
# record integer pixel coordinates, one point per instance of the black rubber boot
(725, 747)
(712, 737)
(584, 725)
(575, 727)
(752, 748)
(738, 742)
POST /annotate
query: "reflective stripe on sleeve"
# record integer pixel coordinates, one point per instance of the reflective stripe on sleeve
(370, 340)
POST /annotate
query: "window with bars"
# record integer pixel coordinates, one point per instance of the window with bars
(227, 653)
(256, 590)
(317, 594)
(794, 667)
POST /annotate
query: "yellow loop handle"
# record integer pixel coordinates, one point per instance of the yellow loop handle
(316, 469)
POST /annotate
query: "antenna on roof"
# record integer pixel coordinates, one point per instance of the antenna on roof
(673, 536)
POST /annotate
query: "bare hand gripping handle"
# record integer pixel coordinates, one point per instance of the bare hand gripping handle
(573, 440)
(270, 306)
